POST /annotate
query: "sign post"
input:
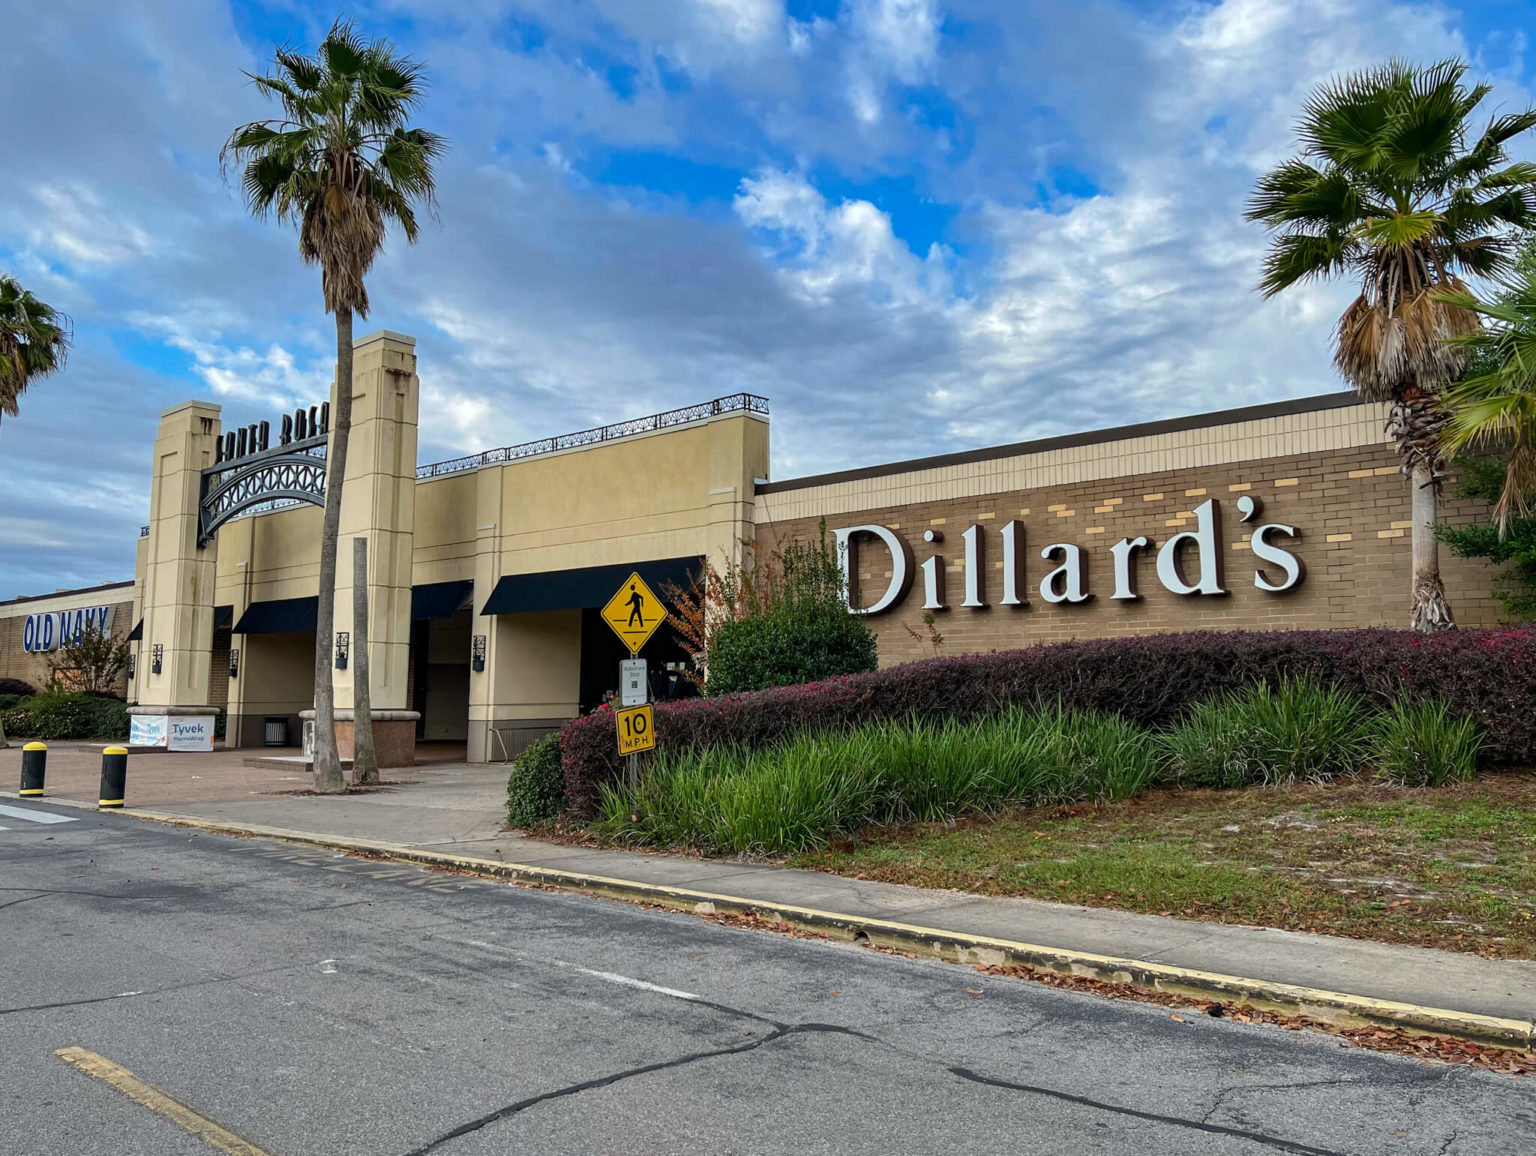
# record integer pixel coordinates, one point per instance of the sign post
(634, 613)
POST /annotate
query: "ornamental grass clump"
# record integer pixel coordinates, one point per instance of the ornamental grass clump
(1299, 729)
(802, 793)
(1424, 745)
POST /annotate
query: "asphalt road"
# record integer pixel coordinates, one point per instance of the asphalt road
(312, 1003)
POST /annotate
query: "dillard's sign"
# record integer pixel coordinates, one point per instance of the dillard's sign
(1189, 563)
(45, 632)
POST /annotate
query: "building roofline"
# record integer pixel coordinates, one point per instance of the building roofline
(1271, 409)
(67, 593)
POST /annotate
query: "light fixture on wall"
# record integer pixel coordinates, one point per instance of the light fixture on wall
(234, 663)
(343, 644)
(477, 653)
(132, 663)
(157, 658)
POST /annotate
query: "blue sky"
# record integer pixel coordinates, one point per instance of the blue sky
(916, 225)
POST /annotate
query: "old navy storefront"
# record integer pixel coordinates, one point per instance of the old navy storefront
(486, 573)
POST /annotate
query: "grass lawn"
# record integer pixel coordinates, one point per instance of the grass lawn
(1453, 868)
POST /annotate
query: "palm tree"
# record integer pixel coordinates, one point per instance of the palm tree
(34, 342)
(1390, 189)
(341, 165)
(1494, 408)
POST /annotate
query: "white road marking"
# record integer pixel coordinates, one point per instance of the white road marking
(35, 816)
(628, 981)
(327, 967)
(605, 976)
(4, 828)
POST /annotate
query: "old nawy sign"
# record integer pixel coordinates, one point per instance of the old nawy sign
(634, 613)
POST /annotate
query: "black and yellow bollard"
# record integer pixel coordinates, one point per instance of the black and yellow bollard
(34, 765)
(114, 776)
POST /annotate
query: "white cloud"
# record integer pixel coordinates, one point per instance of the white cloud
(75, 225)
(833, 248)
(891, 40)
(271, 376)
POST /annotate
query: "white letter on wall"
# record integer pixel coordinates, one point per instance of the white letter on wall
(1125, 567)
(901, 567)
(1267, 551)
(1013, 543)
(1207, 547)
(1074, 578)
(975, 569)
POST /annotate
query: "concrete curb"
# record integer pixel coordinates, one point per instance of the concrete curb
(1342, 1009)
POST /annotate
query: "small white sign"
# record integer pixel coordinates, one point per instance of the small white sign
(191, 732)
(633, 688)
(148, 730)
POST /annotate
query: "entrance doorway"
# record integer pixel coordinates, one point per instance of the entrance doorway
(440, 677)
(601, 653)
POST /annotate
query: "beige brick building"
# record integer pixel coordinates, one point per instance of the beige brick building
(486, 573)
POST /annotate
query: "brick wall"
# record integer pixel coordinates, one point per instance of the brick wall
(15, 662)
(1351, 507)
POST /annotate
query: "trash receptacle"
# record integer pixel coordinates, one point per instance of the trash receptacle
(276, 732)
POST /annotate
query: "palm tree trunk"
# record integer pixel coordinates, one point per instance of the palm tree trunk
(365, 758)
(328, 777)
(1415, 424)
(1431, 609)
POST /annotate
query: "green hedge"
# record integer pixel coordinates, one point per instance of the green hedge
(67, 716)
(788, 646)
(536, 787)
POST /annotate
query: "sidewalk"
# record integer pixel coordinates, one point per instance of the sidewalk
(455, 813)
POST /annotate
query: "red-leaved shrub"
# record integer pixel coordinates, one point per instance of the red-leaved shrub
(1489, 675)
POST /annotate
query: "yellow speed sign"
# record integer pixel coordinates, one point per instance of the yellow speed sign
(637, 729)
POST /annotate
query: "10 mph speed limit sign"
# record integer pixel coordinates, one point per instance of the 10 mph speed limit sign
(637, 731)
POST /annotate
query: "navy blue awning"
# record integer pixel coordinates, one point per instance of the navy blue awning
(137, 632)
(222, 617)
(589, 586)
(279, 616)
(440, 599)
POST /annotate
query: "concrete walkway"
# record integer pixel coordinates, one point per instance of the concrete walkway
(459, 810)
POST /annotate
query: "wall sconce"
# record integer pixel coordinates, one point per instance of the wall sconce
(477, 654)
(343, 644)
(157, 658)
(132, 663)
(234, 663)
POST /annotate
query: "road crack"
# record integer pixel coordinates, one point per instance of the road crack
(780, 1032)
(1152, 1117)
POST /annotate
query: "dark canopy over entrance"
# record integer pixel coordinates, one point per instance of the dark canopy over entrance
(588, 587)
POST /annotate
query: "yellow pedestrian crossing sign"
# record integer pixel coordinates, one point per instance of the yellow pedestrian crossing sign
(634, 613)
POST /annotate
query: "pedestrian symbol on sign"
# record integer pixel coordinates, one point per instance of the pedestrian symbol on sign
(634, 613)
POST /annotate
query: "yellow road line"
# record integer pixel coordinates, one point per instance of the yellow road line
(157, 1101)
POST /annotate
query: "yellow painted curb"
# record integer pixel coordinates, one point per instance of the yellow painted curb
(1339, 1008)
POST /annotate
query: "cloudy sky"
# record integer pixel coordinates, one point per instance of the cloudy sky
(916, 225)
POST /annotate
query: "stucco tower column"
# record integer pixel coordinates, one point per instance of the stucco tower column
(178, 573)
(738, 456)
(379, 503)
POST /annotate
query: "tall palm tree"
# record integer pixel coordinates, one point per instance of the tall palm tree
(1391, 189)
(341, 165)
(34, 342)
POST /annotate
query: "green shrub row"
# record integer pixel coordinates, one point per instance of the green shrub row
(816, 786)
(801, 794)
(57, 716)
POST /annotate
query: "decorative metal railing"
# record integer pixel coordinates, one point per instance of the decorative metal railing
(735, 403)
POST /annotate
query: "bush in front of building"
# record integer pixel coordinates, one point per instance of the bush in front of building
(1488, 676)
(56, 715)
(536, 786)
(799, 795)
(16, 687)
(787, 646)
(1302, 729)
